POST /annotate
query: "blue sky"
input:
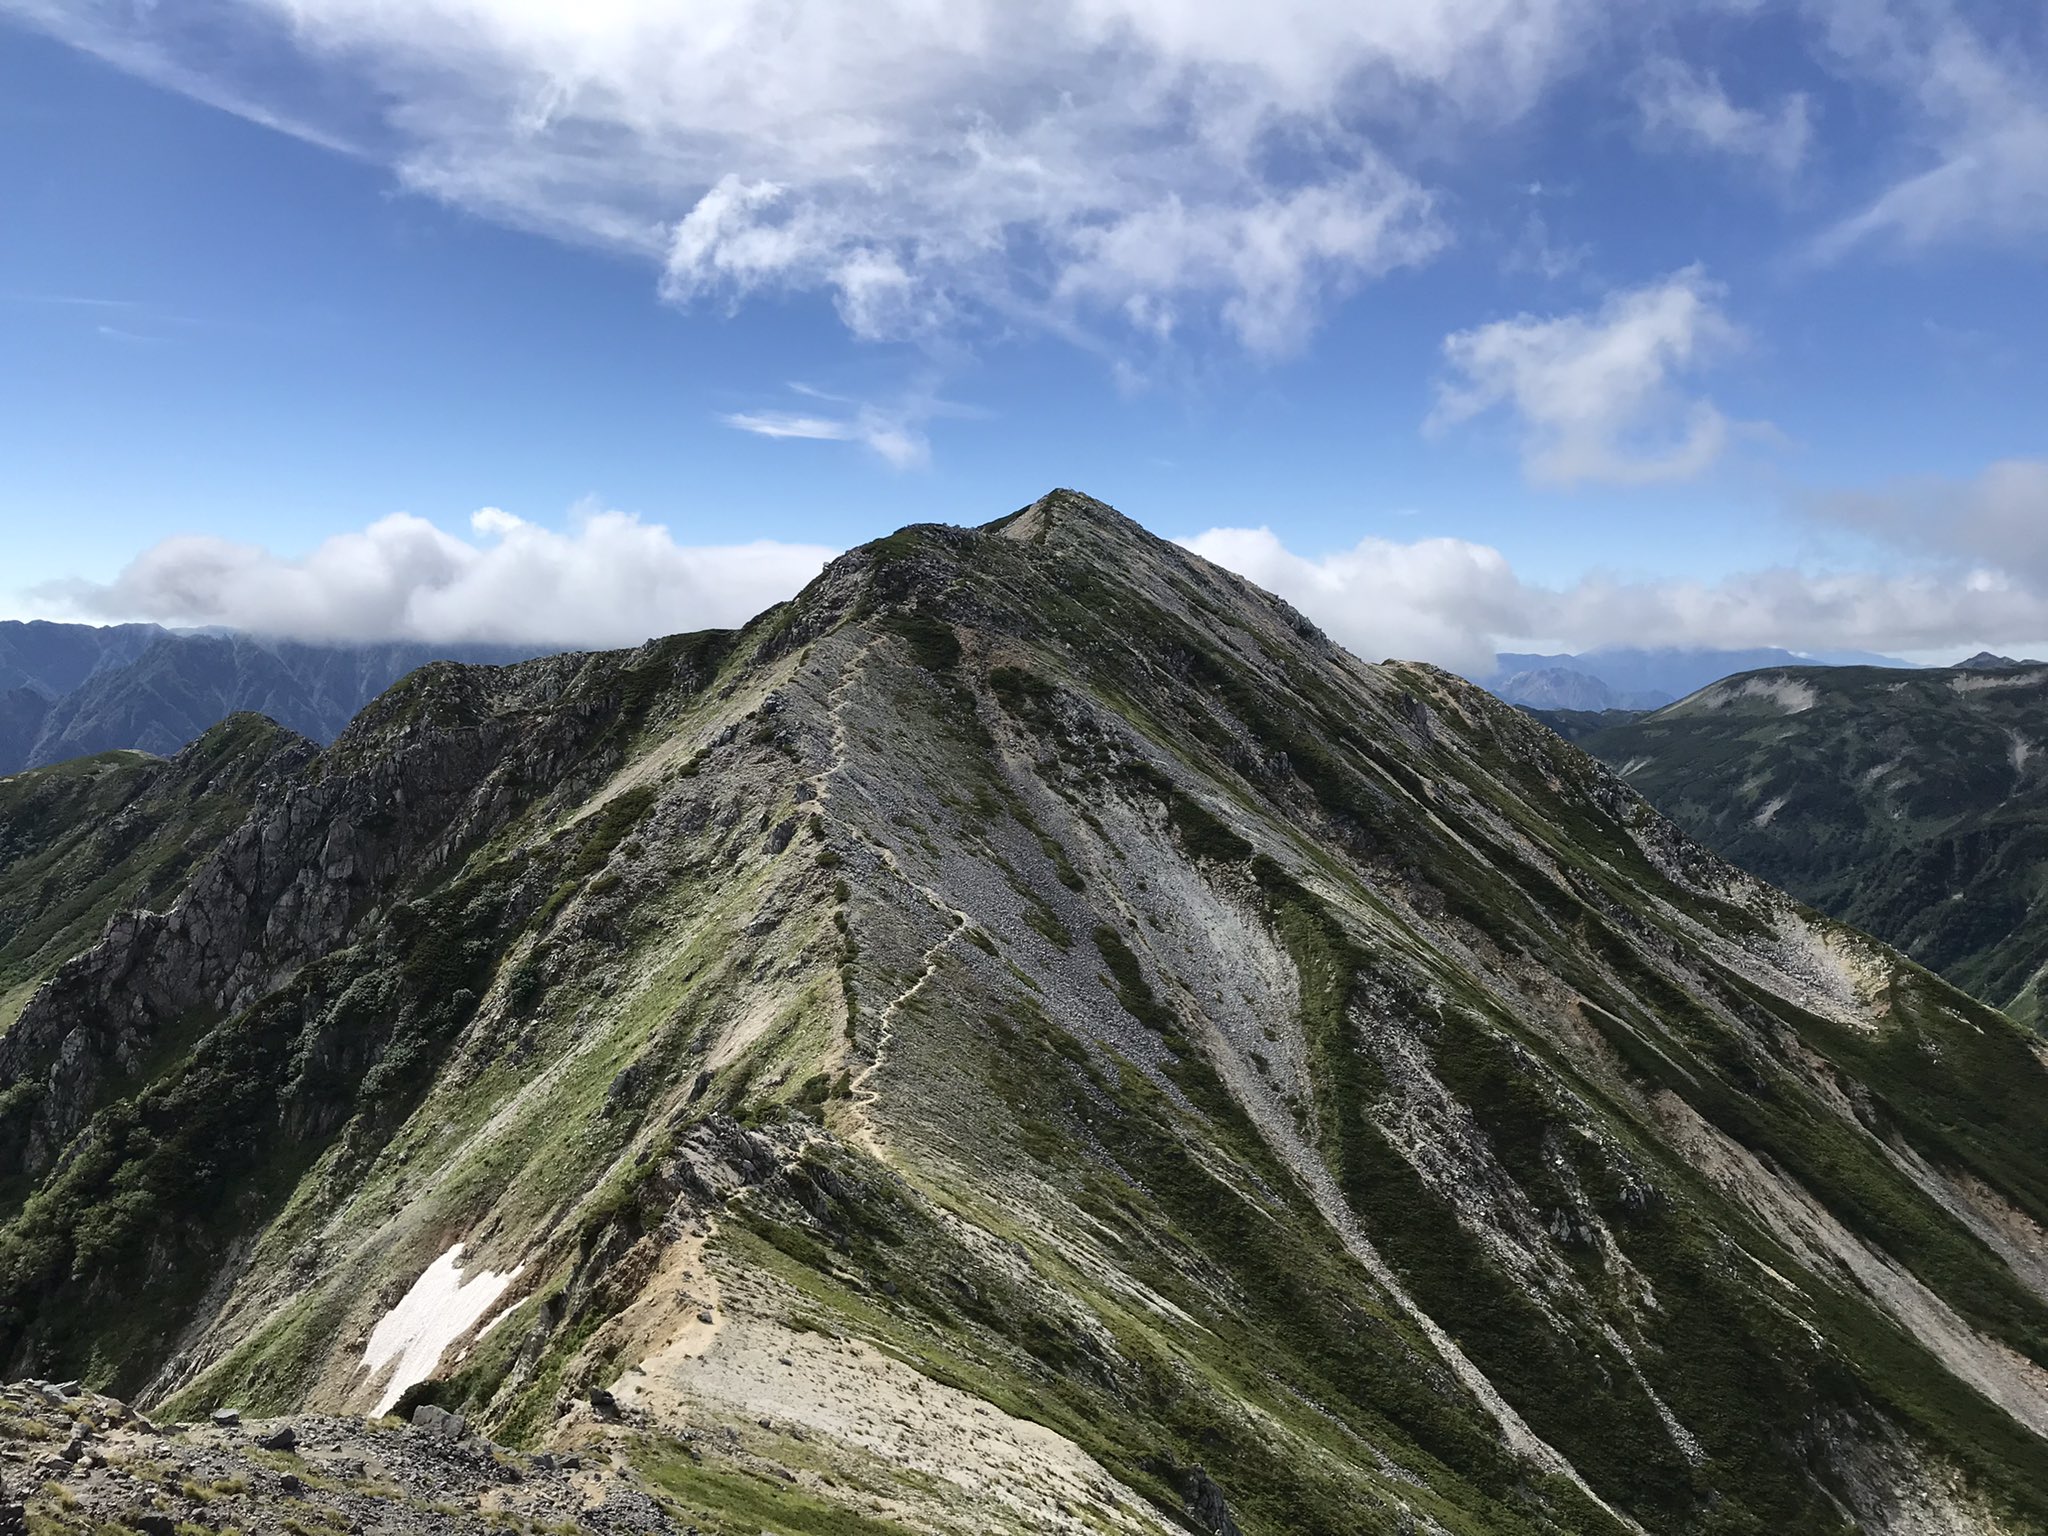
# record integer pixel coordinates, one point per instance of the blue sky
(1465, 323)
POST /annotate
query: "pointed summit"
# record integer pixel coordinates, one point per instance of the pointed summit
(1067, 515)
(1991, 661)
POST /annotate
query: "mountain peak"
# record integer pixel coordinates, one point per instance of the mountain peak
(1991, 661)
(1064, 510)
(1327, 1037)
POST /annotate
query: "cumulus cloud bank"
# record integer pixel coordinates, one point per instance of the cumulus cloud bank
(611, 580)
(1456, 603)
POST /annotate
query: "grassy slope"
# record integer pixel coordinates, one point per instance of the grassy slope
(1090, 1224)
(1905, 804)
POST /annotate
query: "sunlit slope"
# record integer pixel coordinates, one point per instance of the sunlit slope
(1032, 1036)
(1913, 804)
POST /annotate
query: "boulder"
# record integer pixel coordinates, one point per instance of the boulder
(431, 1420)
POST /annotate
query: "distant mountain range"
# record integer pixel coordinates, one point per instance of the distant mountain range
(1625, 677)
(1914, 805)
(71, 690)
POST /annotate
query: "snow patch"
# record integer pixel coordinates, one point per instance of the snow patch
(439, 1309)
(2019, 750)
(1790, 694)
(1978, 682)
(1764, 817)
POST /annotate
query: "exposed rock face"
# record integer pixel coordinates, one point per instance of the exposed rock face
(1031, 1036)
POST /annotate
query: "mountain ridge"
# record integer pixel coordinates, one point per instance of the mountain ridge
(1643, 677)
(1090, 1023)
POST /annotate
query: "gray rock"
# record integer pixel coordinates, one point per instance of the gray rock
(439, 1422)
(1205, 1503)
(226, 1418)
(283, 1438)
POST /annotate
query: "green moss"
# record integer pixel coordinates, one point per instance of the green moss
(932, 640)
(1133, 991)
(732, 1501)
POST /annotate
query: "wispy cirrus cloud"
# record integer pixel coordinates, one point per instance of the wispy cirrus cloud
(895, 442)
(894, 430)
(1148, 168)
(1690, 108)
(1971, 83)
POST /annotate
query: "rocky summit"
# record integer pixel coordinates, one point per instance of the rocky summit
(1029, 1036)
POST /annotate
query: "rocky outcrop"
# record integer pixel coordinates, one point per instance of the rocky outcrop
(78, 1461)
(423, 777)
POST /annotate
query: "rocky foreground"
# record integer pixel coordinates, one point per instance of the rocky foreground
(73, 1460)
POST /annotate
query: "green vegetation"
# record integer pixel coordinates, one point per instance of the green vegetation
(85, 839)
(602, 1035)
(932, 640)
(731, 1501)
(1912, 804)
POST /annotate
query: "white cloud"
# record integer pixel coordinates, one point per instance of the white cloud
(1149, 166)
(1456, 603)
(1689, 107)
(895, 441)
(1998, 518)
(1442, 600)
(892, 430)
(1974, 88)
(1598, 393)
(611, 580)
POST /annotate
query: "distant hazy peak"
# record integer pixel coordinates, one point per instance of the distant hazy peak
(1991, 661)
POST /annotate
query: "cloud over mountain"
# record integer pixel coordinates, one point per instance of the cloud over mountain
(1455, 603)
(613, 579)
(610, 580)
